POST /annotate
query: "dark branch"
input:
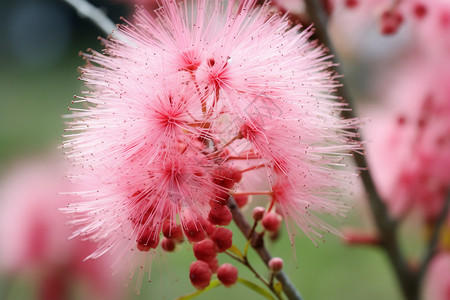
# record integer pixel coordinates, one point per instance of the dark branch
(433, 243)
(387, 227)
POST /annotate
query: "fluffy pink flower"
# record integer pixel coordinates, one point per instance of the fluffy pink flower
(34, 237)
(190, 103)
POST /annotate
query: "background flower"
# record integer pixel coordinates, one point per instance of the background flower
(35, 237)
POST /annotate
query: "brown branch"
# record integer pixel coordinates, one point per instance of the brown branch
(88, 11)
(434, 240)
(387, 226)
(241, 222)
(246, 263)
(93, 14)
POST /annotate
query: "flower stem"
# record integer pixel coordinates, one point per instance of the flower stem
(246, 263)
(239, 219)
(6, 285)
(254, 168)
(236, 137)
(244, 157)
(253, 193)
(433, 242)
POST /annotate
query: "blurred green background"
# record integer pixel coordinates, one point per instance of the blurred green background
(38, 77)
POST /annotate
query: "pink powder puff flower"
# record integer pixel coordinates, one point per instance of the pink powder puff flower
(410, 145)
(149, 117)
(191, 102)
(37, 246)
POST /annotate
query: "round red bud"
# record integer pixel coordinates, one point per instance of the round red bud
(271, 221)
(171, 230)
(194, 231)
(205, 250)
(147, 240)
(227, 274)
(223, 238)
(208, 227)
(213, 265)
(199, 274)
(168, 244)
(275, 264)
(220, 215)
(221, 197)
(227, 177)
(258, 213)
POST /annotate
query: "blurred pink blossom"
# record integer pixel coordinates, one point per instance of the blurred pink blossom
(410, 138)
(437, 283)
(432, 27)
(38, 245)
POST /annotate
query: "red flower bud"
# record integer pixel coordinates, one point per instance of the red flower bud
(168, 244)
(147, 240)
(208, 227)
(223, 238)
(172, 231)
(275, 264)
(227, 274)
(221, 197)
(271, 221)
(194, 231)
(199, 274)
(258, 213)
(205, 250)
(226, 177)
(213, 265)
(220, 215)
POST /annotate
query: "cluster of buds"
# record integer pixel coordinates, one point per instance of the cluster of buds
(201, 271)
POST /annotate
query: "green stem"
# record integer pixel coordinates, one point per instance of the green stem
(246, 263)
(241, 222)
